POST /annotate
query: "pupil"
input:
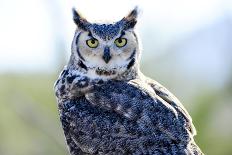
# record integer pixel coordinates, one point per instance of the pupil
(119, 40)
(93, 41)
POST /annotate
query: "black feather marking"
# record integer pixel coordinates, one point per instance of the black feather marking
(136, 37)
(79, 54)
(77, 38)
(132, 55)
(90, 34)
(130, 24)
(81, 22)
(133, 13)
(64, 72)
(71, 78)
(131, 19)
(82, 65)
(131, 63)
(57, 82)
(122, 34)
(62, 89)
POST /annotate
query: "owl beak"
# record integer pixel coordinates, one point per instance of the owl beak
(106, 55)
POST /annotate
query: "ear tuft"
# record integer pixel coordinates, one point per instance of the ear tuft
(131, 19)
(133, 14)
(81, 22)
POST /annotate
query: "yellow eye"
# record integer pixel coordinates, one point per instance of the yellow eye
(93, 43)
(120, 42)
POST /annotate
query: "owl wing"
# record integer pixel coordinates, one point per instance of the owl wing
(138, 102)
(167, 96)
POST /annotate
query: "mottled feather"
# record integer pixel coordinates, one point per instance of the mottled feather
(110, 107)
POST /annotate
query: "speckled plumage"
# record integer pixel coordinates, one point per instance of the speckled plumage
(112, 108)
(106, 31)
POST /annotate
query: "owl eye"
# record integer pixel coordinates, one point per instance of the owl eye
(120, 42)
(93, 43)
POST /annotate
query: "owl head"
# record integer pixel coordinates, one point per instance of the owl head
(105, 50)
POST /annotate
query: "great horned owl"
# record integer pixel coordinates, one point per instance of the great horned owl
(107, 106)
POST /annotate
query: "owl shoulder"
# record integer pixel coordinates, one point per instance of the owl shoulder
(167, 96)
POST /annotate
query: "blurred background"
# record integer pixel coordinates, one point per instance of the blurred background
(187, 47)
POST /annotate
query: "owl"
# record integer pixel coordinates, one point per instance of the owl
(108, 107)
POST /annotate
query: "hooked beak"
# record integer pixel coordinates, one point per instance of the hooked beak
(106, 55)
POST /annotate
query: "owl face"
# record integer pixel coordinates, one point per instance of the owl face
(105, 50)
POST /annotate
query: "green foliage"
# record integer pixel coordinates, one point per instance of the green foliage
(29, 122)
